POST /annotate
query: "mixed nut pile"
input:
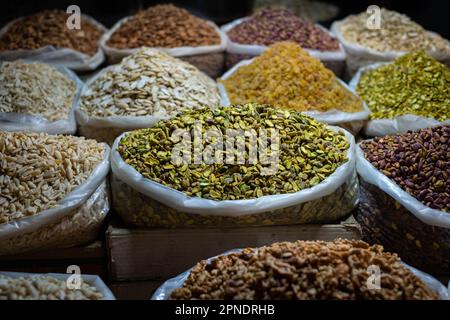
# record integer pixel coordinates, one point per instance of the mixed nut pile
(269, 26)
(48, 28)
(309, 153)
(286, 76)
(304, 270)
(44, 288)
(418, 161)
(164, 26)
(414, 83)
(38, 170)
(149, 82)
(396, 33)
(36, 89)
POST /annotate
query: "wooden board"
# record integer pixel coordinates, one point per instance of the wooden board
(158, 254)
(90, 258)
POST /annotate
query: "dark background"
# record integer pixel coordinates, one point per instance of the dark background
(433, 15)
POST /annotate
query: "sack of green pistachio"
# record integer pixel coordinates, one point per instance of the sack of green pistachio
(405, 196)
(410, 93)
(384, 35)
(243, 165)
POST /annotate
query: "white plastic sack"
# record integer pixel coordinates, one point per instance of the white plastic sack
(64, 57)
(73, 200)
(371, 175)
(106, 129)
(255, 50)
(359, 56)
(82, 225)
(93, 280)
(352, 121)
(181, 202)
(166, 289)
(12, 121)
(399, 124)
(114, 55)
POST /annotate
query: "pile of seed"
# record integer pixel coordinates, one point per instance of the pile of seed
(48, 28)
(149, 82)
(396, 33)
(286, 76)
(309, 152)
(269, 26)
(311, 10)
(36, 89)
(44, 288)
(415, 83)
(418, 161)
(38, 170)
(304, 270)
(164, 26)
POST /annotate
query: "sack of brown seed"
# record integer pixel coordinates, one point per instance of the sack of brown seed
(405, 196)
(373, 36)
(46, 37)
(52, 286)
(38, 97)
(311, 181)
(249, 37)
(53, 190)
(145, 87)
(304, 270)
(170, 29)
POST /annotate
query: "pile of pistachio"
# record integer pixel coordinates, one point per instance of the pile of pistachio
(415, 84)
(308, 152)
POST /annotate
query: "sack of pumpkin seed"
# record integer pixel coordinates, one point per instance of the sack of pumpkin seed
(53, 190)
(410, 93)
(384, 35)
(232, 166)
(405, 195)
(144, 88)
(286, 76)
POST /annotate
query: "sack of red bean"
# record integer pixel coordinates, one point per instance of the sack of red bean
(170, 29)
(250, 36)
(47, 37)
(405, 195)
(366, 41)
